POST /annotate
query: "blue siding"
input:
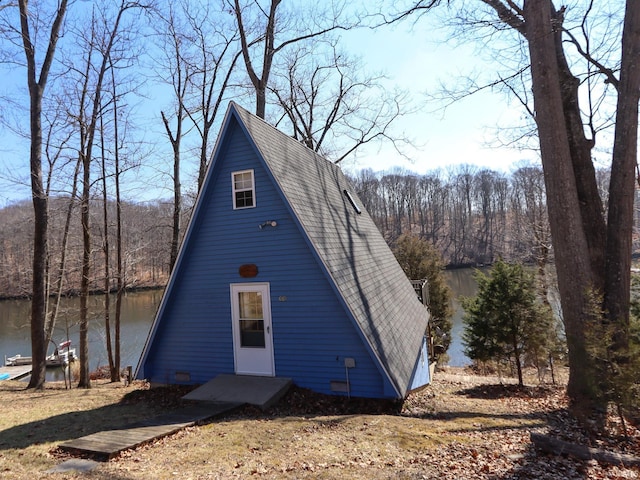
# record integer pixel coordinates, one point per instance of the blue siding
(312, 332)
(421, 373)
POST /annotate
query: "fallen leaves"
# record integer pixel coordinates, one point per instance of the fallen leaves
(450, 430)
(461, 426)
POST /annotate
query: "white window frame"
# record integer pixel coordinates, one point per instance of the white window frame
(235, 190)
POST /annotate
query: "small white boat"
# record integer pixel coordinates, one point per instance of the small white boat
(17, 360)
(63, 355)
(61, 358)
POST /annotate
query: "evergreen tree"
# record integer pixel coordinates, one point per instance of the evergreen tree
(505, 320)
(620, 386)
(420, 260)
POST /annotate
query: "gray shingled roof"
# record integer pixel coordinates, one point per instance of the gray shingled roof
(354, 253)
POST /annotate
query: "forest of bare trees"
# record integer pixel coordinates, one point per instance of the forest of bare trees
(472, 216)
(146, 238)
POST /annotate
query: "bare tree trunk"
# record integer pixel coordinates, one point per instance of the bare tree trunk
(84, 380)
(107, 257)
(62, 266)
(517, 355)
(38, 195)
(209, 111)
(569, 238)
(40, 253)
(180, 73)
(589, 200)
(120, 285)
(83, 352)
(259, 82)
(115, 374)
(622, 186)
(175, 141)
(54, 294)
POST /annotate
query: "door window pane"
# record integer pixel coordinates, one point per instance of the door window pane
(251, 319)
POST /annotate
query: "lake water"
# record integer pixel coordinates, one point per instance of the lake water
(463, 284)
(138, 310)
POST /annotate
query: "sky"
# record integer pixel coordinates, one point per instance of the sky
(419, 58)
(415, 58)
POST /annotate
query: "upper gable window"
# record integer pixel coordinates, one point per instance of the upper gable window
(244, 191)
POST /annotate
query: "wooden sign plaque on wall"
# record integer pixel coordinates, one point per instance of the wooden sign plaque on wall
(248, 270)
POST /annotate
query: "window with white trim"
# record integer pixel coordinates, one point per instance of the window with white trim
(244, 191)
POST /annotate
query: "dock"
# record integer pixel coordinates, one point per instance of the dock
(15, 373)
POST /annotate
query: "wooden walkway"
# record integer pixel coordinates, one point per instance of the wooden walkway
(105, 445)
(15, 373)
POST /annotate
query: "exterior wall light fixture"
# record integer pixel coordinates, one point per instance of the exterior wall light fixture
(268, 223)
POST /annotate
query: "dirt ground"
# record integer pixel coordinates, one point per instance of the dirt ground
(461, 427)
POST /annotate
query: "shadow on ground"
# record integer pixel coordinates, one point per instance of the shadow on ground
(135, 406)
(494, 392)
(528, 464)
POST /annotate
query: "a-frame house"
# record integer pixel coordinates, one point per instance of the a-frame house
(283, 273)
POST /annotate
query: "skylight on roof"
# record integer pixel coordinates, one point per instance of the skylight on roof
(352, 202)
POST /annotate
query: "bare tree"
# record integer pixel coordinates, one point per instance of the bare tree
(120, 280)
(201, 49)
(106, 246)
(490, 193)
(461, 213)
(54, 152)
(104, 35)
(174, 44)
(37, 83)
(592, 251)
(264, 24)
(332, 106)
(393, 186)
(215, 54)
(575, 209)
(531, 237)
(433, 193)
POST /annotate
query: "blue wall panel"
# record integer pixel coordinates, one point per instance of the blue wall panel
(421, 373)
(312, 334)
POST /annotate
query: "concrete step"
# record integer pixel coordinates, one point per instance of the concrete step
(254, 390)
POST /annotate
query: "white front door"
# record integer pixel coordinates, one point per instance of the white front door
(251, 317)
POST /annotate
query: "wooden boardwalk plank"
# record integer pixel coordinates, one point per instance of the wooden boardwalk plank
(16, 373)
(109, 443)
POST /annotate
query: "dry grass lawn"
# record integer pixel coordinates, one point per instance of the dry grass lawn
(451, 429)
